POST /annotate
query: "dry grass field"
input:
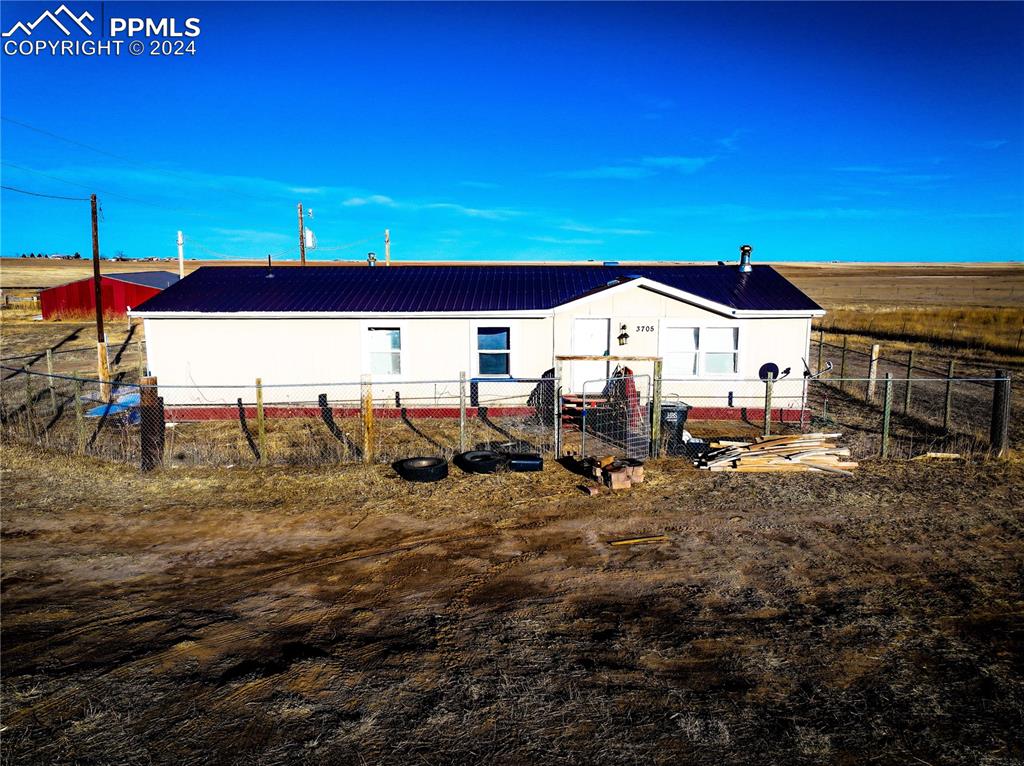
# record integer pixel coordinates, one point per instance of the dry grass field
(335, 614)
(341, 616)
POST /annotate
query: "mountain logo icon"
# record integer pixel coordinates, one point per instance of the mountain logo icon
(56, 17)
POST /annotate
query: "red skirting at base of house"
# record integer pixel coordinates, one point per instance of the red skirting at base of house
(183, 413)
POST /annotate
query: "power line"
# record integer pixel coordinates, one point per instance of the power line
(48, 196)
(103, 191)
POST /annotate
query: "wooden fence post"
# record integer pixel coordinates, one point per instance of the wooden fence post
(768, 404)
(886, 414)
(947, 411)
(462, 411)
(910, 374)
(872, 372)
(30, 408)
(1000, 431)
(103, 370)
(151, 425)
(556, 396)
(79, 416)
(49, 380)
(142, 359)
(821, 343)
(261, 425)
(366, 408)
(842, 364)
(656, 412)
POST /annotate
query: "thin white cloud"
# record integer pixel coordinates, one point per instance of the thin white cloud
(992, 143)
(645, 167)
(472, 212)
(607, 230)
(566, 241)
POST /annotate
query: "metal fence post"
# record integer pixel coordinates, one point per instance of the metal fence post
(872, 373)
(462, 412)
(79, 417)
(366, 410)
(1000, 431)
(886, 414)
(656, 412)
(768, 404)
(947, 411)
(842, 364)
(261, 426)
(910, 374)
(49, 380)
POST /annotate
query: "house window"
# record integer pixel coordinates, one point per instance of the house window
(680, 346)
(385, 344)
(720, 346)
(493, 350)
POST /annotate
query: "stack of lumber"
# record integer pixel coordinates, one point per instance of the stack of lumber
(798, 452)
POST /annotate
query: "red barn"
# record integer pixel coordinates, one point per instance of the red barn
(120, 292)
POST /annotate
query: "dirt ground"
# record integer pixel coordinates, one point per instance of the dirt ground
(335, 616)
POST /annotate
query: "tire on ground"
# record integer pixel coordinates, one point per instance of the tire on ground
(479, 461)
(422, 468)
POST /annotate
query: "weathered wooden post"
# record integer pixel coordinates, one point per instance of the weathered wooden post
(151, 425)
(656, 412)
(999, 434)
(49, 380)
(30, 408)
(366, 410)
(947, 411)
(141, 360)
(872, 372)
(886, 414)
(261, 425)
(80, 416)
(910, 374)
(768, 404)
(842, 364)
(821, 345)
(462, 411)
(556, 391)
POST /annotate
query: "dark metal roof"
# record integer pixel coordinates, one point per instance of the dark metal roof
(160, 279)
(457, 288)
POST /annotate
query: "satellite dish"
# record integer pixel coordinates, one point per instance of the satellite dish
(768, 368)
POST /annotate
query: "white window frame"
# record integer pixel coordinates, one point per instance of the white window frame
(702, 372)
(701, 352)
(364, 336)
(474, 348)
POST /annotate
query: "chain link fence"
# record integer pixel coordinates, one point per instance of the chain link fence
(128, 420)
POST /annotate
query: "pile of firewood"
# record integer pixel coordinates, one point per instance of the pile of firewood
(798, 452)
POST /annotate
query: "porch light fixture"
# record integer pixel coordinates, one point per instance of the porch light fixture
(623, 336)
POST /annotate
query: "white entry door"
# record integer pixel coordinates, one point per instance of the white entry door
(590, 337)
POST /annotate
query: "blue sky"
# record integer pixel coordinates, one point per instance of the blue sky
(541, 131)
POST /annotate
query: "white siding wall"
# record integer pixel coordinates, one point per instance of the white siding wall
(201, 353)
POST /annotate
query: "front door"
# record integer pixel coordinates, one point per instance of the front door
(589, 338)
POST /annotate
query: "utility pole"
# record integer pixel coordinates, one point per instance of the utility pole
(302, 238)
(101, 341)
(387, 247)
(181, 256)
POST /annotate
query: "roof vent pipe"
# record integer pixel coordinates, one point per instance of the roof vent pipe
(745, 251)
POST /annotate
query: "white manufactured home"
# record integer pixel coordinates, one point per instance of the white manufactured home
(714, 328)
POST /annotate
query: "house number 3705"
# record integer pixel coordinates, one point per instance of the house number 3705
(645, 328)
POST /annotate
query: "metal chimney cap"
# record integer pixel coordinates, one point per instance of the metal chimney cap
(746, 249)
